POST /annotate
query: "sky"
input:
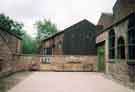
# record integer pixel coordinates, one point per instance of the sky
(63, 13)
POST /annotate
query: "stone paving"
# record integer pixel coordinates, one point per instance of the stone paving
(9, 82)
(68, 82)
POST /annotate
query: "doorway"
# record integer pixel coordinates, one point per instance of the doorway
(101, 59)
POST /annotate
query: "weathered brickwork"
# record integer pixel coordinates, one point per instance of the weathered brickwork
(105, 20)
(121, 73)
(55, 43)
(9, 45)
(123, 8)
(117, 68)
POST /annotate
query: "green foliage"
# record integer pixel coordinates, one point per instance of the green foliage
(9, 25)
(45, 29)
(29, 44)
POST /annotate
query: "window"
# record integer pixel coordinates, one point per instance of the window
(131, 37)
(0, 66)
(46, 60)
(112, 44)
(72, 36)
(121, 48)
(47, 51)
(88, 35)
(59, 45)
(44, 51)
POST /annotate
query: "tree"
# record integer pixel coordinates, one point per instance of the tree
(45, 29)
(10, 25)
(29, 45)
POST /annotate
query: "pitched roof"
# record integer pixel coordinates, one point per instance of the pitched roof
(52, 36)
(106, 19)
(84, 21)
(117, 23)
(69, 28)
(11, 33)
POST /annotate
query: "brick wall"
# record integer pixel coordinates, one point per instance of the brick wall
(53, 43)
(123, 8)
(8, 48)
(118, 69)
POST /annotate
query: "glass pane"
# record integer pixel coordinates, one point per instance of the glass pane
(131, 21)
(131, 52)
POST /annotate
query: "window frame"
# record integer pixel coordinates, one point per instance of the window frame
(121, 48)
(131, 38)
(112, 44)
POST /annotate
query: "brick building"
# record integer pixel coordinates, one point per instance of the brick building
(52, 45)
(10, 44)
(79, 39)
(105, 20)
(116, 44)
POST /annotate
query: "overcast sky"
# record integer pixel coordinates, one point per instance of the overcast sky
(63, 13)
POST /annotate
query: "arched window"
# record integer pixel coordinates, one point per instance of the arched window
(121, 48)
(112, 44)
(131, 37)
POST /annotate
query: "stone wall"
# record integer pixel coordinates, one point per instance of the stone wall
(20, 63)
(69, 63)
(121, 72)
(123, 8)
(56, 63)
(25, 62)
(118, 68)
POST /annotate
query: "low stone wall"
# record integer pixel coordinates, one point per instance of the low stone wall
(122, 73)
(19, 63)
(56, 63)
(25, 62)
(69, 63)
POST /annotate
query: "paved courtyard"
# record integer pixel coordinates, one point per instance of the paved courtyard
(68, 82)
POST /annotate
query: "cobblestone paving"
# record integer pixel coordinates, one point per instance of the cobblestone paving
(68, 82)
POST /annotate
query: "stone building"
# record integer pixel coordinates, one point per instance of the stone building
(79, 39)
(116, 44)
(10, 45)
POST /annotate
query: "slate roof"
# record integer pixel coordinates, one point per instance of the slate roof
(117, 23)
(106, 19)
(11, 33)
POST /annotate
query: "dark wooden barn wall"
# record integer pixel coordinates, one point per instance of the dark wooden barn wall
(80, 40)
